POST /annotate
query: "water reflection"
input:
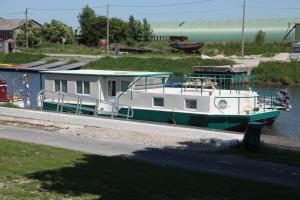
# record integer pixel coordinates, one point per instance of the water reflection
(288, 123)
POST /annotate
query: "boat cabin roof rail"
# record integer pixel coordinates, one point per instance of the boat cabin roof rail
(225, 81)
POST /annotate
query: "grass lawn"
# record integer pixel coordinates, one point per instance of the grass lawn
(183, 65)
(66, 49)
(229, 49)
(29, 171)
(19, 58)
(267, 153)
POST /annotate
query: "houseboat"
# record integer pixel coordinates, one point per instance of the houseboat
(144, 96)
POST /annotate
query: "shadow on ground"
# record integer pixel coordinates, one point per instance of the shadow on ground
(122, 177)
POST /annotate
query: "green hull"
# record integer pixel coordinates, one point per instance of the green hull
(202, 120)
(69, 108)
(187, 119)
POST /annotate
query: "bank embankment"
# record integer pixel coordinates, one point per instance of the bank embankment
(278, 72)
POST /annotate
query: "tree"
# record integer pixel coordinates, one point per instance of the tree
(135, 29)
(55, 31)
(97, 30)
(34, 35)
(118, 30)
(260, 37)
(87, 18)
(147, 31)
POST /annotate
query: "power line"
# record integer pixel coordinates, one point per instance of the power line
(64, 9)
(274, 8)
(15, 13)
(190, 12)
(161, 5)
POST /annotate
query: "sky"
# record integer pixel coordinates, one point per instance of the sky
(154, 10)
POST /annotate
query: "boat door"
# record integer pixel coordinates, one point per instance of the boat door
(111, 94)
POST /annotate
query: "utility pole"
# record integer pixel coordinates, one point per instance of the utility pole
(26, 27)
(243, 30)
(107, 29)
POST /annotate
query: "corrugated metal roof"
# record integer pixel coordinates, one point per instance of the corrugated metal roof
(224, 30)
(12, 24)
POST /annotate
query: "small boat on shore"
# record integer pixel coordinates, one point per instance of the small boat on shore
(186, 46)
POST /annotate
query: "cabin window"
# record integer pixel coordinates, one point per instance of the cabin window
(191, 103)
(79, 88)
(56, 86)
(158, 101)
(86, 87)
(82, 87)
(64, 86)
(112, 88)
(124, 85)
(61, 85)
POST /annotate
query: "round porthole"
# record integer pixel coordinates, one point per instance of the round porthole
(222, 104)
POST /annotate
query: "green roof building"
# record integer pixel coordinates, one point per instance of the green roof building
(224, 31)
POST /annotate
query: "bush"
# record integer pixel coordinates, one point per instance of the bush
(34, 35)
(130, 42)
(260, 37)
(229, 49)
(278, 72)
(56, 31)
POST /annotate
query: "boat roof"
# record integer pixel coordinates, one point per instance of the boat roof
(89, 72)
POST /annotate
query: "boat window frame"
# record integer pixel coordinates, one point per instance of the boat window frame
(61, 86)
(60, 89)
(153, 102)
(121, 84)
(89, 87)
(83, 92)
(54, 85)
(190, 99)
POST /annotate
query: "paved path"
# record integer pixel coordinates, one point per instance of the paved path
(121, 125)
(185, 158)
(282, 142)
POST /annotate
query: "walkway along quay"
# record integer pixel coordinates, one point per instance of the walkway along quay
(153, 134)
(164, 145)
(148, 134)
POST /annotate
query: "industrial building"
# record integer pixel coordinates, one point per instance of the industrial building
(224, 30)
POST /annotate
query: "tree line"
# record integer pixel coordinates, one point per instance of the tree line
(92, 28)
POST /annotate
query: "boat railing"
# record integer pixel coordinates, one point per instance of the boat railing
(235, 83)
(75, 102)
(264, 102)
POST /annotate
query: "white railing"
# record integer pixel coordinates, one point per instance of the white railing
(79, 103)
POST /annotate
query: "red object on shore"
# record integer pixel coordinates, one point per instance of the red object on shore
(4, 97)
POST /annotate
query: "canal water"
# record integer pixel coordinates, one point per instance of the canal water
(288, 123)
